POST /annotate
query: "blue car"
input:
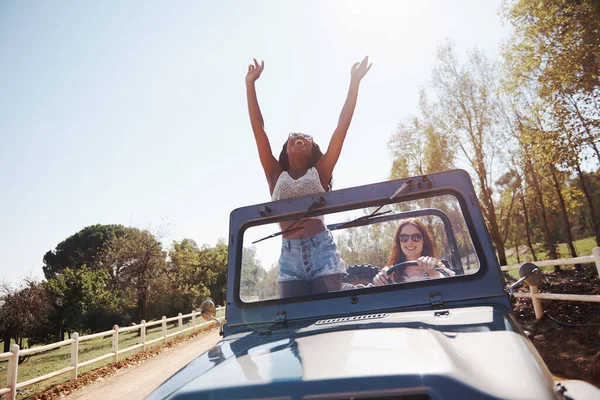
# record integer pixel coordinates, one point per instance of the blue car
(421, 312)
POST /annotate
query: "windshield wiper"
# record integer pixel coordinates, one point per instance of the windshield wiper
(407, 184)
(320, 202)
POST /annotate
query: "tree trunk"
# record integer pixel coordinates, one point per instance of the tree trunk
(141, 306)
(590, 202)
(490, 214)
(527, 230)
(6, 340)
(466, 240)
(549, 244)
(517, 244)
(563, 208)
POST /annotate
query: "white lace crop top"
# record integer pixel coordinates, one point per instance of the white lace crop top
(287, 187)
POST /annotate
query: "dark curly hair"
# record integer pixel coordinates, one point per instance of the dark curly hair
(315, 156)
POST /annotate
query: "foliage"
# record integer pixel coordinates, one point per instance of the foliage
(252, 273)
(23, 312)
(135, 261)
(192, 275)
(462, 121)
(555, 41)
(82, 248)
(418, 147)
(369, 244)
(553, 63)
(78, 299)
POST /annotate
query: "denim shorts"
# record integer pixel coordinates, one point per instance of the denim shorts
(310, 258)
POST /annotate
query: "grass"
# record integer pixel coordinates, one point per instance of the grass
(583, 247)
(56, 359)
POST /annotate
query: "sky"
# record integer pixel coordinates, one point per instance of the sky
(135, 113)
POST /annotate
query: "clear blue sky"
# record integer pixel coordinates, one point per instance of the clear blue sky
(134, 113)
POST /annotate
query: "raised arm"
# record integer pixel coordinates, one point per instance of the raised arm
(269, 163)
(326, 164)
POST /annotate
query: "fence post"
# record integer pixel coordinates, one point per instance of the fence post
(164, 329)
(537, 303)
(180, 324)
(74, 355)
(143, 335)
(596, 253)
(13, 370)
(193, 321)
(115, 344)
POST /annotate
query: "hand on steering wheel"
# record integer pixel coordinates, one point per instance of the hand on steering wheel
(382, 278)
(428, 267)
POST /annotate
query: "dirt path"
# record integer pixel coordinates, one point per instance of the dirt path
(138, 381)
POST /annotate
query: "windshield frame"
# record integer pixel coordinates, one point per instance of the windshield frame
(456, 183)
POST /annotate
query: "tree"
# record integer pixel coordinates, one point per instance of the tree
(268, 288)
(369, 244)
(467, 112)
(78, 298)
(418, 148)
(555, 49)
(557, 42)
(135, 260)
(252, 274)
(22, 312)
(215, 259)
(187, 277)
(82, 248)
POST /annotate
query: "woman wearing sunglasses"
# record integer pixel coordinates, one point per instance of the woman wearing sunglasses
(413, 243)
(309, 261)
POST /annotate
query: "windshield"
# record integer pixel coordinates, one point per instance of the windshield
(419, 240)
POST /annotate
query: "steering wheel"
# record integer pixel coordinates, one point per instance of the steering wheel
(402, 265)
(397, 267)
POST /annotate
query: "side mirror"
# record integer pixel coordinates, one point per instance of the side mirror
(530, 274)
(208, 311)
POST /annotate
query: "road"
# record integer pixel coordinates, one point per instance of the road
(138, 381)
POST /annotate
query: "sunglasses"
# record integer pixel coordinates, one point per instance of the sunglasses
(304, 136)
(416, 237)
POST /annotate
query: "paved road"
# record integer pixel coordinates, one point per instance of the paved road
(137, 382)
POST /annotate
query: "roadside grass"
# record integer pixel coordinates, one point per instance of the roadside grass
(53, 360)
(583, 247)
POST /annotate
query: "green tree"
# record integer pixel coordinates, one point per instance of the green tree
(557, 42)
(555, 49)
(418, 147)
(467, 112)
(135, 261)
(268, 288)
(78, 297)
(216, 260)
(187, 278)
(252, 274)
(369, 244)
(82, 248)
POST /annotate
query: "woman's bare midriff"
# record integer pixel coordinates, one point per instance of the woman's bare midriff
(309, 227)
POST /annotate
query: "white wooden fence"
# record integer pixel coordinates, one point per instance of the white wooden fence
(537, 297)
(13, 356)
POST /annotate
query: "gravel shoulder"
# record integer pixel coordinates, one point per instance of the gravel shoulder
(138, 381)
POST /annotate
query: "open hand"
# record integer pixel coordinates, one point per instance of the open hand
(254, 71)
(359, 70)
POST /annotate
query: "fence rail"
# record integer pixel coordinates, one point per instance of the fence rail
(537, 297)
(12, 384)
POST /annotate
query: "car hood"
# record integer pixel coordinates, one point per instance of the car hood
(422, 357)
